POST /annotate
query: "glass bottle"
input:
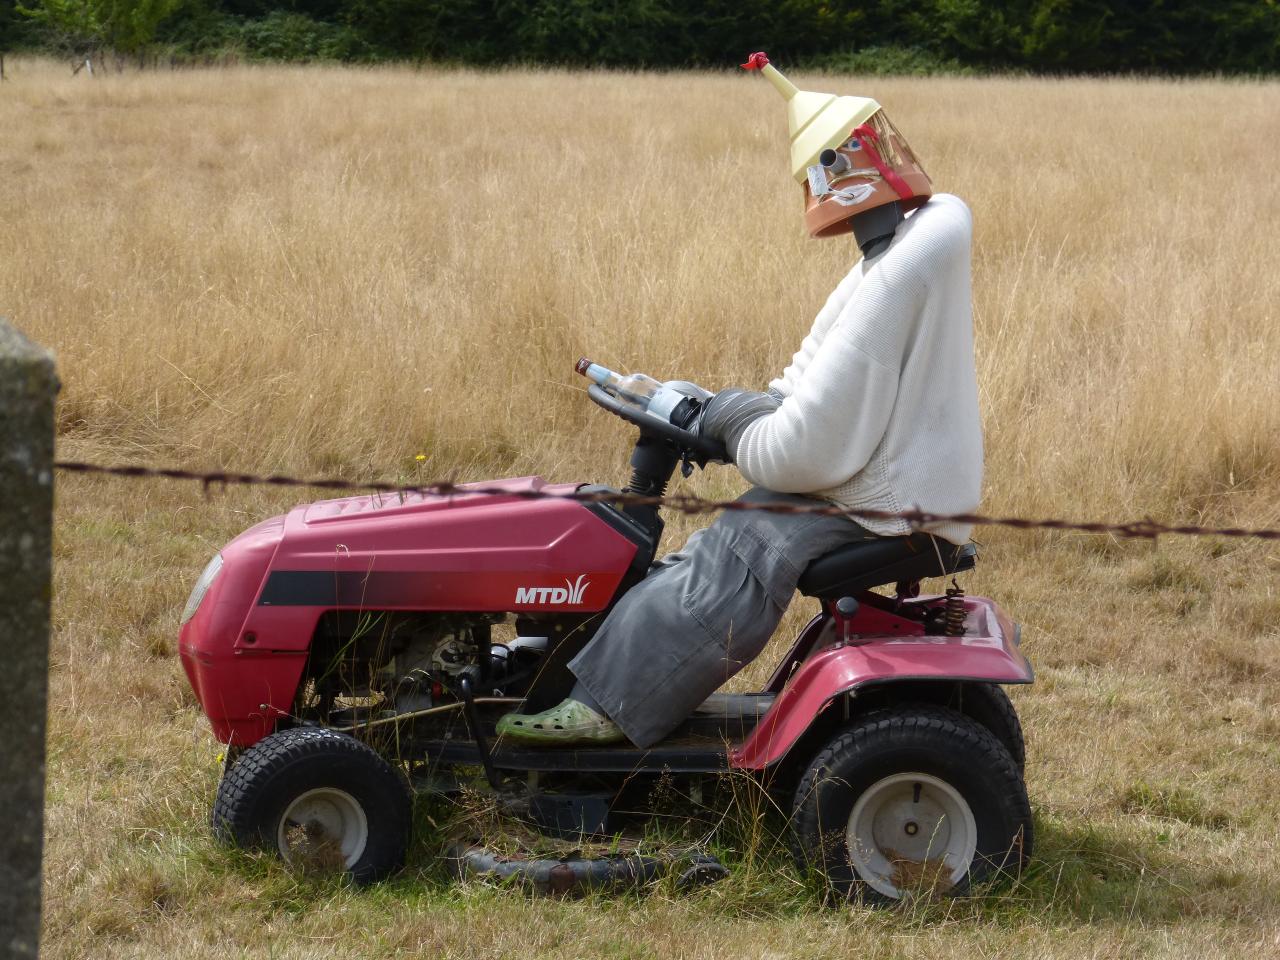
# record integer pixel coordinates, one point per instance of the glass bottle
(636, 387)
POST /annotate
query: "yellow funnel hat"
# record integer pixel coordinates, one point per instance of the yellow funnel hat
(817, 120)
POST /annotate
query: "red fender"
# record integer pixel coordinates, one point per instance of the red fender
(987, 653)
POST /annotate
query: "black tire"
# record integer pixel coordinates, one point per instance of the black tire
(888, 756)
(990, 706)
(305, 766)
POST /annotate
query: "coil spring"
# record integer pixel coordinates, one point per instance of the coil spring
(955, 611)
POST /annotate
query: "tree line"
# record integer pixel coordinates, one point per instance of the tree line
(886, 36)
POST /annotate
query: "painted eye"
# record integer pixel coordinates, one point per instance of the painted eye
(853, 144)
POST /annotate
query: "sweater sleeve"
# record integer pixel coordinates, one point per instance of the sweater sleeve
(828, 427)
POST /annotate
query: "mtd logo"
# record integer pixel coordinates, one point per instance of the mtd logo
(570, 593)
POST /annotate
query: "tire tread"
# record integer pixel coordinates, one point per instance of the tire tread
(1001, 712)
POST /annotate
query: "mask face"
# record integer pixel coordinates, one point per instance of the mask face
(840, 177)
(871, 167)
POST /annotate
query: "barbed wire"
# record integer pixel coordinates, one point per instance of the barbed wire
(918, 519)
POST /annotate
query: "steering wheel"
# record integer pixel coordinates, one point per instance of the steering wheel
(696, 448)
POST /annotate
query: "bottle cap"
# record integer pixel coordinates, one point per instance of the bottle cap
(581, 365)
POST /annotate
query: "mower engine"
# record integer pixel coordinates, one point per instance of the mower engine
(366, 666)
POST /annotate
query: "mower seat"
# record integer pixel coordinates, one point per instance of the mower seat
(872, 563)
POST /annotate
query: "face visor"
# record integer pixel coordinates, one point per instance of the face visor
(870, 167)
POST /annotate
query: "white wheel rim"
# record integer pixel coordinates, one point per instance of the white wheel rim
(324, 828)
(911, 832)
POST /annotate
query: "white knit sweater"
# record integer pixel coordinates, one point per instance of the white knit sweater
(880, 405)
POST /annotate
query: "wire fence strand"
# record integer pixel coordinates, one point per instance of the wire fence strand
(918, 519)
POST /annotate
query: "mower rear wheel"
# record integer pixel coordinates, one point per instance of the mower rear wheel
(911, 801)
(990, 706)
(322, 800)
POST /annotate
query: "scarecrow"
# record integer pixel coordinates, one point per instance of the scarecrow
(877, 411)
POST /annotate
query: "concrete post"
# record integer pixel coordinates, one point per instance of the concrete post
(28, 385)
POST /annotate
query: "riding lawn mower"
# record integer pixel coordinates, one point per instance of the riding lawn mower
(355, 650)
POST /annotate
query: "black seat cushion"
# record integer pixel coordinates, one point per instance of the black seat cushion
(871, 563)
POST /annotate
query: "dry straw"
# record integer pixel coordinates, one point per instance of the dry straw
(331, 270)
(327, 272)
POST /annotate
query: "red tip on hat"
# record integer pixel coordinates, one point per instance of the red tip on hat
(756, 61)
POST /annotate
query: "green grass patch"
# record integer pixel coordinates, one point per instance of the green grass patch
(1172, 803)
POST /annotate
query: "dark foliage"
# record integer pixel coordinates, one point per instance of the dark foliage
(14, 33)
(899, 36)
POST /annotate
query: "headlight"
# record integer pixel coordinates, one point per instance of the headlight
(201, 588)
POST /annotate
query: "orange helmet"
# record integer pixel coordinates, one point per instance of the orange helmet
(847, 155)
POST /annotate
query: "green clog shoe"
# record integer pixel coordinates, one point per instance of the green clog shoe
(569, 723)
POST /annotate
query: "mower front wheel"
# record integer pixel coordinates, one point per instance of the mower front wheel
(322, 800)
(910, 801)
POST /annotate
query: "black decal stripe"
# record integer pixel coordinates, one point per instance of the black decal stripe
(319, 588)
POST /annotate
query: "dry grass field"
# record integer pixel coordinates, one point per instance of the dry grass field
(331, 271)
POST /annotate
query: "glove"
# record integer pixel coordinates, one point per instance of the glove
(726, 416)
(689, 389)
(678, 402)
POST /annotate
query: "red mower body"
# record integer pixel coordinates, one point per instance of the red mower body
(245, 648)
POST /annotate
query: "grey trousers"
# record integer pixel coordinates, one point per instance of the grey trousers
(702, 614)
